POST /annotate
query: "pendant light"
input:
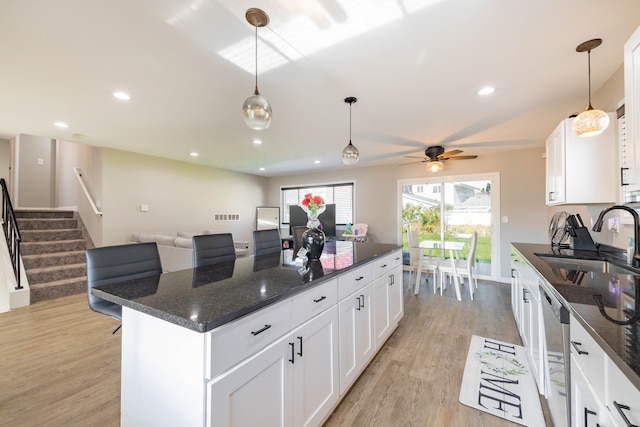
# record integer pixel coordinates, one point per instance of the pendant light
(350, 154)
(590, 122)
(256, 110)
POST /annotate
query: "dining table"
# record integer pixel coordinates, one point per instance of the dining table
(451, 246)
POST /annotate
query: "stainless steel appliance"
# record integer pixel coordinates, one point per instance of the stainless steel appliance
(557, 359)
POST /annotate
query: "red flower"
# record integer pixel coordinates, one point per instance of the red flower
(318, 200)
(305, 202)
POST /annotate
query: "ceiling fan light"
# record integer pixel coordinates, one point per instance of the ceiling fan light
(350, 154)
(590, 123)
(435, 166)
(256, 111)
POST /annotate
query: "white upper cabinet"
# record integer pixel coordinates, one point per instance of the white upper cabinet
(632, 108)
(581, 169)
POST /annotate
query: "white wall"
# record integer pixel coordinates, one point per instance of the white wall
(181, 197)
(522, 183)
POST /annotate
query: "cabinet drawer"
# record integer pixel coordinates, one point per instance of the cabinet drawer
(314, 301)
(231, 343)
(386, 264)
(624, 397)
(589, 356)
(353, 280)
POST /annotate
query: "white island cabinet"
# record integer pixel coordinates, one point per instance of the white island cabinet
(286, 364)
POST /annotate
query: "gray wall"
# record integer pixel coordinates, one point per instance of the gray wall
(522, 183)
(5, 160)
(181, 197)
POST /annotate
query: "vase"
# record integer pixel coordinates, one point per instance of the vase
(313, 241)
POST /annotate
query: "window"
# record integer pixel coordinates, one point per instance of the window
(419, 189)
(340, 194)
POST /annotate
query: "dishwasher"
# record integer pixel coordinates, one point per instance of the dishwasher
(557, 359)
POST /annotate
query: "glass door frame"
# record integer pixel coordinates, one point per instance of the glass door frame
(494, 178)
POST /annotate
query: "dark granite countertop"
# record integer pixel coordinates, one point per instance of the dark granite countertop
(204, 298)
(575, 279)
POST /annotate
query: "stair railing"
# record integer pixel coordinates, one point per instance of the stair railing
(85, 190)
(11, 231)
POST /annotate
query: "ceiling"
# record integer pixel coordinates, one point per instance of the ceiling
(414, 65)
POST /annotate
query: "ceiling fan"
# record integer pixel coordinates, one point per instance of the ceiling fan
(434, 156)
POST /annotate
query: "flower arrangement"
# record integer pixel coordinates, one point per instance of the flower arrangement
(313, 206)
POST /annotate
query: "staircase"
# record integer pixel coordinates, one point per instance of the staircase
(53, 247)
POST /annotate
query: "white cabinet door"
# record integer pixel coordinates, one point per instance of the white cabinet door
(256, 392)
(623, 398)
(355, 334)
(396, 302)
(586, 408)
(554, 161)
(632, 106)
(581, 169)
(381, 318)
(525, 320)
(515, 294)
(316, 372)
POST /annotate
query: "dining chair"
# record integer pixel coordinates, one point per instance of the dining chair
(213, 249)
(426, 262)
(414, 253)
(461, 268)
(266, 241)
(110, 264)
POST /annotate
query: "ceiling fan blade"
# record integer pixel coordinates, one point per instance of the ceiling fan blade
(417, 157)
(410, 163)
(462, 157)
(448, 154)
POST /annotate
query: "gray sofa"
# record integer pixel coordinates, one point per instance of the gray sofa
(176, 247)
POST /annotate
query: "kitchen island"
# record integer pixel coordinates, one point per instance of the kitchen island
(258, 341)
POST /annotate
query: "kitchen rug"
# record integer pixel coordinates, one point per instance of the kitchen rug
(497, 380)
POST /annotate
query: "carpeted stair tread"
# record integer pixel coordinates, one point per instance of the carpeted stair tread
(50, 235)
(44, 214)
(47, 224)
(32, 248)
(52, 259)
(59, 272)
(58, 288)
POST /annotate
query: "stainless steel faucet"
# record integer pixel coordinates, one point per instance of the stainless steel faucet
(636, 222)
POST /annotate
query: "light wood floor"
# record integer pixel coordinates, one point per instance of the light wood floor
(60, 365)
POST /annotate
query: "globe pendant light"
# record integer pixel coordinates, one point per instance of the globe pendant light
(590, 122)
(350, 154)
(256, 110)
(435, 166)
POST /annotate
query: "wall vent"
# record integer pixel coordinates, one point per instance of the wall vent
(226, 217)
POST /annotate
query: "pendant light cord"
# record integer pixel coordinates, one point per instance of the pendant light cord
(350, 122)
(589, 68)
(256, 92)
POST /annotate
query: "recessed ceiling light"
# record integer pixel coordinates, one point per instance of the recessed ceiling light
(122, 95)
(257, 141)
(486, 91)
(261, 169)
(193, 154)
(316, 161)
(62, 125)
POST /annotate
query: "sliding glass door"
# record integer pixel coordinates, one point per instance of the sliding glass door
(452, 209)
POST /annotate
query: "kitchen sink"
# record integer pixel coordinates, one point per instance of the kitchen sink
(597, 265)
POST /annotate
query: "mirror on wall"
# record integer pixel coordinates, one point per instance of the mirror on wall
(267, 218)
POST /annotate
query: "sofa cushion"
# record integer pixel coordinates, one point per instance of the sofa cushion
(190, 234)
(182, 242)
(160, 239)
